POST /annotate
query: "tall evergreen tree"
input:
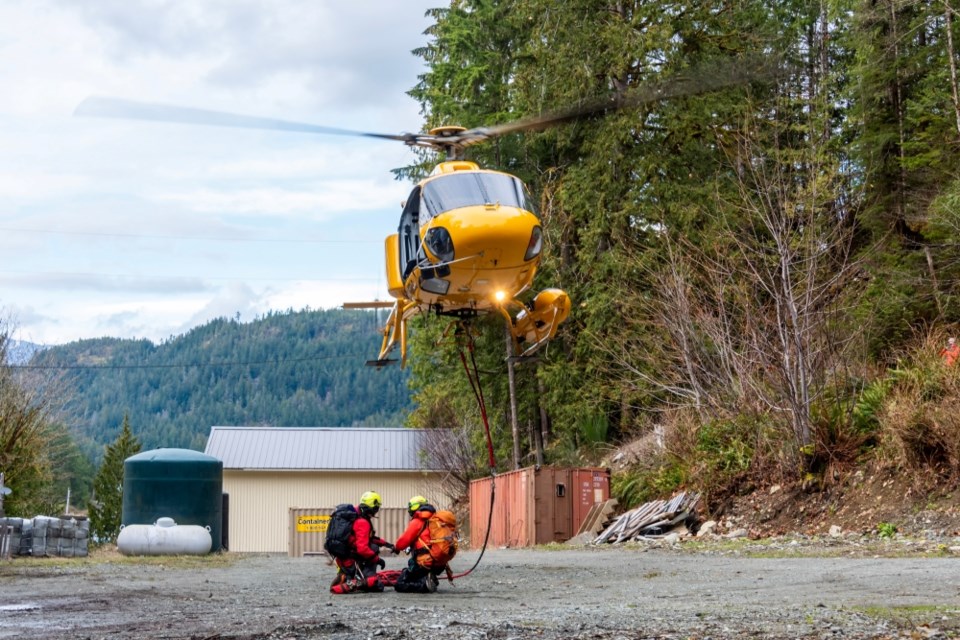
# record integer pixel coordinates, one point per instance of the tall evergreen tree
(106, 505)
(906, 143)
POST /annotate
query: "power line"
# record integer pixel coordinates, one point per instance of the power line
(198, 238)
(88, 274)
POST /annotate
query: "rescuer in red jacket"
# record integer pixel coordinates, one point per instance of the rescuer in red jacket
(358, 571)
(417, 578)
(951, 352)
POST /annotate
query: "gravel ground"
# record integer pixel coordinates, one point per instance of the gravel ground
(597, 593)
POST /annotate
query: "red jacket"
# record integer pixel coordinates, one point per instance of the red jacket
(417, 533)
(950, 354)
(363, 536)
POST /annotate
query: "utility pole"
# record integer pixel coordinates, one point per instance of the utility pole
(514, 427)
(4, 491)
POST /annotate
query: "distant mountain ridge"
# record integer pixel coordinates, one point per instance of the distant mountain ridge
(304, 369)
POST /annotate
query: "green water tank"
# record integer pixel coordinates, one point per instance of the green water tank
(181, 484)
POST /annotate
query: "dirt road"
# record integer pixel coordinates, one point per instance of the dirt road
(601, 594)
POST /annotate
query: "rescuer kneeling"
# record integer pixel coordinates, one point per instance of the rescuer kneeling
(355, 547)
(432, 539)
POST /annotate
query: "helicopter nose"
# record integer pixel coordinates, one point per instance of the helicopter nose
(497, 235)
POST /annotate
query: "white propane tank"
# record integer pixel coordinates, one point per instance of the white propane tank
(164, 538)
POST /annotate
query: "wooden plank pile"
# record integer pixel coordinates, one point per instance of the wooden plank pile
(599, 517)
(653, 519)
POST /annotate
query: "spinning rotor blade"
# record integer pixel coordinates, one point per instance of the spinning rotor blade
(699, 80)
(99, 107)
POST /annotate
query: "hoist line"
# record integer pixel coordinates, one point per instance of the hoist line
(474, 379)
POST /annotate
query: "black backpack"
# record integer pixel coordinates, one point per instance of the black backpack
(339, 531)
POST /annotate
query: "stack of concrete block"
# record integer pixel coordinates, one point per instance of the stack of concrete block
(11, 536)
(45, 536)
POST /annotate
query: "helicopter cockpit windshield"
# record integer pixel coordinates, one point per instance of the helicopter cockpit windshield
(456, 190)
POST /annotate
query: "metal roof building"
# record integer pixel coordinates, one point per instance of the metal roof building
(347, 449)
(273, 475)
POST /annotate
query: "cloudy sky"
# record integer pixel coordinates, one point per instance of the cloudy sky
(136, 229)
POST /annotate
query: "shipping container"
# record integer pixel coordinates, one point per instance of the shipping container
(308, 528)
(535, 505)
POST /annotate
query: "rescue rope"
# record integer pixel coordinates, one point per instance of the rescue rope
(474, 378)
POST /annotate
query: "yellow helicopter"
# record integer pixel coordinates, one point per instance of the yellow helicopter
(469, 240)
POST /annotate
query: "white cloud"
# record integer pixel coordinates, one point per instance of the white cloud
(139, 229)
(236, 299)
(323, 203)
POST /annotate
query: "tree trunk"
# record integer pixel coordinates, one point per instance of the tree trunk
(933, 279)
(952, 60)
(544, 416)
(533, 432)
(897, 92)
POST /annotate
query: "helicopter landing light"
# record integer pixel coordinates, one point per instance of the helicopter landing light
(500, 296)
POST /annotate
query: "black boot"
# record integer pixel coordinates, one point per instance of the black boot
(407, 583)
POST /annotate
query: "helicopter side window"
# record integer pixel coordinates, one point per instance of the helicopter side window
(409, 232)
(456, 190)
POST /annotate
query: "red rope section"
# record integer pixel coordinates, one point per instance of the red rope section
(474, 378)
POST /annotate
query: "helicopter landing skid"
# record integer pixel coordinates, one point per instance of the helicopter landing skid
(379, 364)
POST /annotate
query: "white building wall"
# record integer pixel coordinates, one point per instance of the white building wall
(260, 501)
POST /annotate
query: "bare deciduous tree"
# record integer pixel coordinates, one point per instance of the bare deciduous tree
(451, 450)
(748, 317)
(28, 435)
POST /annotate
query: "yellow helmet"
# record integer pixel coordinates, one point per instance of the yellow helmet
(415, 503)
(370, 502)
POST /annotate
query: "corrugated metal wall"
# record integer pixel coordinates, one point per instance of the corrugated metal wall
(308, 528)
(535, 506)
(260, 501)
(590, 486)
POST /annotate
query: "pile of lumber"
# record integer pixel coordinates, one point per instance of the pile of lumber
(653, 519)
(599, 517)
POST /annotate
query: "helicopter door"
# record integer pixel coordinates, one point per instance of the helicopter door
(409, 233)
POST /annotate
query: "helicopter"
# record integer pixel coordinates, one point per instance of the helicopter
(469, 242)
(469, 239)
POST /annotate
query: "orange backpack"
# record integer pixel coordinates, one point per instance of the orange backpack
(444, 540)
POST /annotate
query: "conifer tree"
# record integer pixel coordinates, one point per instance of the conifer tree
(107, 501)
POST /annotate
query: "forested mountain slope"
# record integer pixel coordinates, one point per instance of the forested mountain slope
(286, 369)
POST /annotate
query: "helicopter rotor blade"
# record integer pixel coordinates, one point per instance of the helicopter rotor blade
(102, 107)
(697, 81)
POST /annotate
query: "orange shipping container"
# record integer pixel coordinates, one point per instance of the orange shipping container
(535, 505)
